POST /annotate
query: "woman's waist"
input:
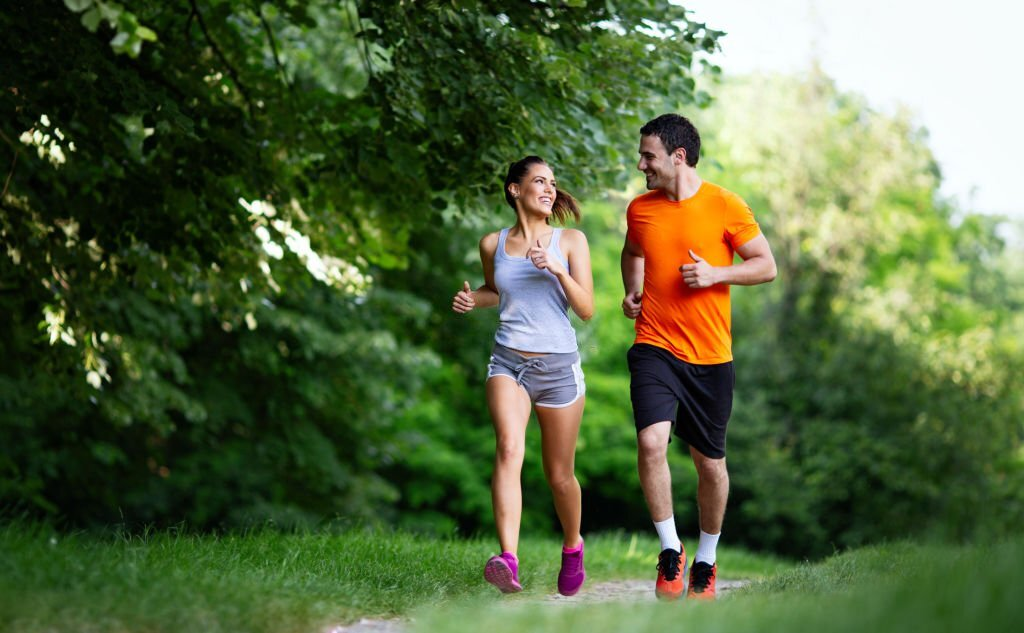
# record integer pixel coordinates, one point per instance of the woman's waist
(552, 357)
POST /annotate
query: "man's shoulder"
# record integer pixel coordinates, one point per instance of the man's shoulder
(651, 197)
(718, 192)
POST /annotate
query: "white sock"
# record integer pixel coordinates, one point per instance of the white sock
(667, 533)
(706, 548)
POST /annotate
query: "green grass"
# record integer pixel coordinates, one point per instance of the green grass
(260, 581)
(890, 588)
(273, 582)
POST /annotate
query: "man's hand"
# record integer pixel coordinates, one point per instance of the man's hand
(463, 301)
(631, 305)
(698, 275)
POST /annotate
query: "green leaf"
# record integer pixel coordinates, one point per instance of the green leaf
(78, 5)
(146, 34)
(91, 19)
(119, 40)
(111, 12)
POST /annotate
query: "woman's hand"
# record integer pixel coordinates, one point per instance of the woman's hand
(463, 301)
(539, 256)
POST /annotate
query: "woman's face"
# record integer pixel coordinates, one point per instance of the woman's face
(537, 190)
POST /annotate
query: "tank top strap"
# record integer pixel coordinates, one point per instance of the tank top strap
(556, 236)
(501, 243)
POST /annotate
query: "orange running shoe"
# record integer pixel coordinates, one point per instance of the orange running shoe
(670, 577)
(702, 581)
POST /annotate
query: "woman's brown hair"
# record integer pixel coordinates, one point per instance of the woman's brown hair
(564, 204)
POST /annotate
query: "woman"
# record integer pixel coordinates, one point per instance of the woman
(534, 272)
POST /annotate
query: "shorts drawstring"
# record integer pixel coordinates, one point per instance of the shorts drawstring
(550, 380)
(536, 362)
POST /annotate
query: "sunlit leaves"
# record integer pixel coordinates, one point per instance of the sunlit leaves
(204, 330)
(129, 34)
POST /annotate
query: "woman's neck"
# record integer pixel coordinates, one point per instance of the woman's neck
(532, 229)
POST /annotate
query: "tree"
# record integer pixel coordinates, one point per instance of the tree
(178, 171)
(877, 395)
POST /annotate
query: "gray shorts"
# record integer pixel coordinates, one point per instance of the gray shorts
(551, 380)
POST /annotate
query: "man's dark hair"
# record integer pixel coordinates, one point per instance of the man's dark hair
(675, 131)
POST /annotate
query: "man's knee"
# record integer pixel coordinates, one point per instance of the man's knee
(652, 444)
(562, 482)
(711, 470)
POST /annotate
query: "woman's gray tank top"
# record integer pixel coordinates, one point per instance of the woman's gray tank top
(533, 312)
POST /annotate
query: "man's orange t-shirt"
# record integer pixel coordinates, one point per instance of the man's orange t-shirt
(694, 324)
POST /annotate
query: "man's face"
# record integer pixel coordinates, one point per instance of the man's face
(656, 163)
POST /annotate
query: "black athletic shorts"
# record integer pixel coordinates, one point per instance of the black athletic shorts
(697, 399)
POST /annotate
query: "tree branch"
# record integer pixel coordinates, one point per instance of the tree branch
(365, 48)
(10, 174)
(291, 99)
(222, 57)
(273, 49)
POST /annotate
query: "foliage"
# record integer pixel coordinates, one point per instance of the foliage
(232, 230)
(178, 174)
(877, 391)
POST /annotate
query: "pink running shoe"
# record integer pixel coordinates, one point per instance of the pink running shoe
(572, 574)
(503, 572)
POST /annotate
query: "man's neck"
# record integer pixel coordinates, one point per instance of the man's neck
(685, 186)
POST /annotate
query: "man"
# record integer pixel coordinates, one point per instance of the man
(677, 266)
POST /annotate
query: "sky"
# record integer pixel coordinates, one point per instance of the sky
(958, 67)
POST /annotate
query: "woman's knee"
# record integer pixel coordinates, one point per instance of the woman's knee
(509, 451)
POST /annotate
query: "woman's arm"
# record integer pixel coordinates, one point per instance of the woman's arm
(486, 296)
(577, 284)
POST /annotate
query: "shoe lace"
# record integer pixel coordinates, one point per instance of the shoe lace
(702, 573)
(571, 562)
(668, 564)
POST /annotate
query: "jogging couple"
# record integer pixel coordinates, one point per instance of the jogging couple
(677, 267)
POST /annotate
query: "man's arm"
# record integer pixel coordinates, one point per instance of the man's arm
(632, 278)
(757, 267)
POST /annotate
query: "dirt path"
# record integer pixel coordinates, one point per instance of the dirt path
(612, 591)
(629, 591)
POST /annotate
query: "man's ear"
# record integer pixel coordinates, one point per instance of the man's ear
(680, 154)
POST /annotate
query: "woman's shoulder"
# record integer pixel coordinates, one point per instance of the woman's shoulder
(572, 237)
(489, 242)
